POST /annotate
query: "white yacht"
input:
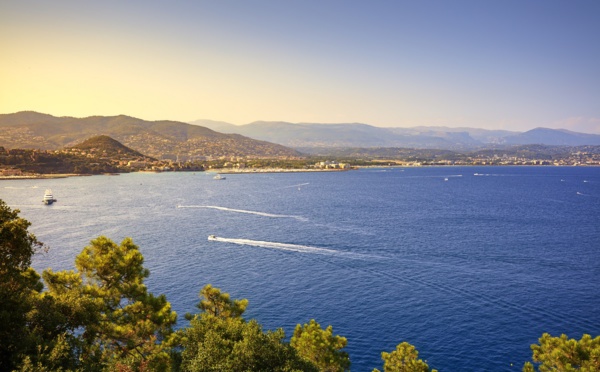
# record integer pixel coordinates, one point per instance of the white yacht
(219, 177)
(48, 197)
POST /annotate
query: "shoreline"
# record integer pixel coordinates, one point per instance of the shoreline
(275, 170)
(271, 170)
(42, 176)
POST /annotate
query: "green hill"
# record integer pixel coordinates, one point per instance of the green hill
(107, 147)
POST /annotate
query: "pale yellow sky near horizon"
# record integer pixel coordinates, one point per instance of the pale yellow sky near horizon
(241, 62)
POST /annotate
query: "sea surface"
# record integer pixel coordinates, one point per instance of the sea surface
(469, 264)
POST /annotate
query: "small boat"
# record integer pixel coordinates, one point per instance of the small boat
(48, 197)
(218, 177)
(212, 237)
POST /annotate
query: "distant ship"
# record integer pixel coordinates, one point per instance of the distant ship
(48, 197)
(218, 177)
(212, 237)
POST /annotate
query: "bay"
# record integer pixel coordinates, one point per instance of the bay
(469, 264)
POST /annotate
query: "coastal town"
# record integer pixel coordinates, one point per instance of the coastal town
(32, 163)
(574, 159)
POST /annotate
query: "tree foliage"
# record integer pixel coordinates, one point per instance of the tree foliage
(19, 284)
(218, 304)
(565, 354)
(404, 359)
(124, 326)
(321, 347)
(219, 339)
(231, 344)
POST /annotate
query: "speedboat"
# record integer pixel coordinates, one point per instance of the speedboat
(48, 197)
(218, 177)
(212, 237)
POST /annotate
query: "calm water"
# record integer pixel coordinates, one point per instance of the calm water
(471, 270)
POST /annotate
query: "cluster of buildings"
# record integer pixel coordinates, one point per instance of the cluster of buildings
(574, 159)
(331, 165)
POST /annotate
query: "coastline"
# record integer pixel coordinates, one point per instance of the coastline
(42, 176)
(271, 170)
(281, 170)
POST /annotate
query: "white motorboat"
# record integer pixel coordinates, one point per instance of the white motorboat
(48, 197)
(212, 237)
(219, 177)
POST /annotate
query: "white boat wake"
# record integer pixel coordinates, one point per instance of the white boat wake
(263, 214)
(298, 185)
(289, 247)
(20, 188)
(449, 176)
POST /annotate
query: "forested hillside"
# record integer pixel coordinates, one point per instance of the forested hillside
(96, 155)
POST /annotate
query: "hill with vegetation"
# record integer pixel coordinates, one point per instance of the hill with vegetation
(105, 146)
(95, 155)
(158, 139)
(27, 162)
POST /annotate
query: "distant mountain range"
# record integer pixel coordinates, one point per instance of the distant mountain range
(304, 136)
(158, 139)
(204, 138)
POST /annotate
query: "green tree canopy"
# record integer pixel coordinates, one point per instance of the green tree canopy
(404, 359)
(218, 304)
(19, 285)
(231, 344)
(219, 339)
(321, 347)
(565, 354)
(123, 324)
(17, 244)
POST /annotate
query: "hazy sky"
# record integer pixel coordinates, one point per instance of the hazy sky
(491, 64)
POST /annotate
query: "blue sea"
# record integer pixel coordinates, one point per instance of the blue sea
(469, 264)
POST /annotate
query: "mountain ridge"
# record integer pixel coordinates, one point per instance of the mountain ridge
(170, 139)
(305, 135)
(158, 139)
